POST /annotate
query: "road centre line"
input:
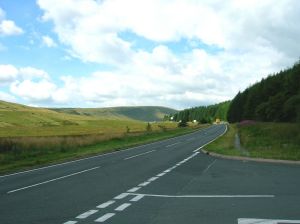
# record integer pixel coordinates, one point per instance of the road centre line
(176, 143)
(160, 175)
(204, 196)
(51, 180)
(153, 179)
(105, 217)
(106, 204)
(70, 222)
(139, 154)
(86, 214)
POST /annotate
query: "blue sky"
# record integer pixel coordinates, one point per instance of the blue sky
(86, 53)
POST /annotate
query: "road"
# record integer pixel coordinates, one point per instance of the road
(168, 181)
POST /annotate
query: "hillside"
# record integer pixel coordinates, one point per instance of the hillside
(20, 120)
(142, 113)
(203, 114)
(273, 99)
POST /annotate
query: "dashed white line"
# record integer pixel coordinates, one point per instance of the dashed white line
(105, 217)
(123, 207)
(121, 196)
(106, 204)
(153, 179)
(144, 184)
(86, 214)
(134, 189)
(160, 175)
(70, 222)
(167, 171)
(130, 157)
(137, 198)
(176, 143)
(48, 181)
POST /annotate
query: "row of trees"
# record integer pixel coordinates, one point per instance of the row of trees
(275, 98)
(202, 114)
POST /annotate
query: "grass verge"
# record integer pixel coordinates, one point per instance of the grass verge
(261, 140)
(30, 157)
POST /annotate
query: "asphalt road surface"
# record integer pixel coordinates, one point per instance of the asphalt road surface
(164, 182)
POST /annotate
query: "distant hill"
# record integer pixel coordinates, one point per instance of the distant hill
(142, 113)
(275, 98)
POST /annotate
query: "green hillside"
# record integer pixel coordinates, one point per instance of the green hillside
(20, 120)
(273, 99)
(142, 113)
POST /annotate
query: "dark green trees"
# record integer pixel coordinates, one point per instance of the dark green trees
(276, 98)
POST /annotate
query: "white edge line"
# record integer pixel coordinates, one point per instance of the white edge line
(213, 139)
(51, 180)
(105, 154)
(269, 221)
(144, 153)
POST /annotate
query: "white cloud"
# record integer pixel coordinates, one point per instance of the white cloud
(48, 41)
(7, 97)
(254, 38)
(33, 91)
(10, 73)
(8, 27)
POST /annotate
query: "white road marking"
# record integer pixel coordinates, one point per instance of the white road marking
(265, 221)
(205, 196)
(144, 184)
(176, 143)
(134, 189)
(123, 206)
(105, 217)
(139, 154)
(70, 222)
(86, 214)
(121, 196)
(137, 198)
(196, 150)
(160, 175)
(167, 171)
(210, 165)
(153, 179)
(48, 181)
(106, 204)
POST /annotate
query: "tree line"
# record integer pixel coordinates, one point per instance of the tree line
(273, 99)
(202, 114)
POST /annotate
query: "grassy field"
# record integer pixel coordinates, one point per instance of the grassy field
(32, 136)
(261, 140)
(35, 151)
(19, 120)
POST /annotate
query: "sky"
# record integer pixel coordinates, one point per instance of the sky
(174, 53)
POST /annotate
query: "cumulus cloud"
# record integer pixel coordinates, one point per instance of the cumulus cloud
(48, 41)
(8, 27)
(254, 38)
